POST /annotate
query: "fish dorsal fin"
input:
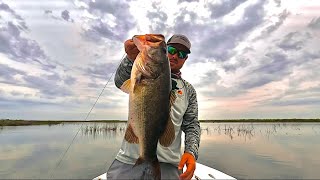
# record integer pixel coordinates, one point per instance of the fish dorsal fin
(168, 135)
(130, 136)
(126, 86)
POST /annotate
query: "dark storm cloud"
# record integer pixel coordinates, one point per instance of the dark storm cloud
(294, 41)
(223, 7)
(123, 19)
(315, 23)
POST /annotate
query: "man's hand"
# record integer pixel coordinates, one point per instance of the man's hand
(188, 160)
(131, 49)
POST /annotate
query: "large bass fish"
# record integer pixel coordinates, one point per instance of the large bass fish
(150, 100)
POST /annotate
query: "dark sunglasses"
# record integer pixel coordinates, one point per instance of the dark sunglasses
(173, 50)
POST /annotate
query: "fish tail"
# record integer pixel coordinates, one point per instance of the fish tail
(150, 170)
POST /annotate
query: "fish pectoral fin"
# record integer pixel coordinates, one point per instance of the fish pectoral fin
(126, 86)
(173, 98)
(130, 136)
(142, 66)
(168, 135)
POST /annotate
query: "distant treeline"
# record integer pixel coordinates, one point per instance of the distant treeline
(10, 122)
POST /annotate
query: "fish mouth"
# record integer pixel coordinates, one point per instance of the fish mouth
(152, 39)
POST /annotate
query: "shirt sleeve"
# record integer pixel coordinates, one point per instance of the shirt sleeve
(123, 72)
(190, 125)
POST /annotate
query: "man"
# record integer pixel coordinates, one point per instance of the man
(184, 115)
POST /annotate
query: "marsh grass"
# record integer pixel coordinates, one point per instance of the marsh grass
(108, 129)
(248, 131)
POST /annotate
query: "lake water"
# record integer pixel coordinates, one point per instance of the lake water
(242, 150)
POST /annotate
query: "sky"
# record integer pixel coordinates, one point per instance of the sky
(249, 58)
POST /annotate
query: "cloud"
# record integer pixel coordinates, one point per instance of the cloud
(313, 101)
(221, 40)
(222, 8)
(278, 2)
(274, 26)
(157, 18)
(100, 70)
(241, 62)
(7, 74)
(10, 103)
(276, 65)
(5, 7)
(48, 12)
(113, 21)
(49, 85)
(15, 46)
(181, 1)
(315, 23)
(294, 41)
(69, 80)
(65, 15)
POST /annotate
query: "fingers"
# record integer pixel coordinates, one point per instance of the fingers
(187, 159)
(189, 172)
(131, 49)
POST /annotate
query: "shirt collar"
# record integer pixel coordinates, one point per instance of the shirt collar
(176, 75)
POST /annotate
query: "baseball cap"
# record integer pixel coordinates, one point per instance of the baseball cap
(180, 39)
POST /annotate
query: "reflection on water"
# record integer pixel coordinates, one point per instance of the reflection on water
(243, 150)
(262, 150)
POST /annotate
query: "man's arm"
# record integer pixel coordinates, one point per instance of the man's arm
(190, 125)
(123, 72)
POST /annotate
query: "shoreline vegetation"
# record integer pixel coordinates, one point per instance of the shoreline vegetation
(12, 122)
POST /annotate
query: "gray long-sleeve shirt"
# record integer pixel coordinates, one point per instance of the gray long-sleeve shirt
(184, 114)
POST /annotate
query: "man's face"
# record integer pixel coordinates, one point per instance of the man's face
(176, 62)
